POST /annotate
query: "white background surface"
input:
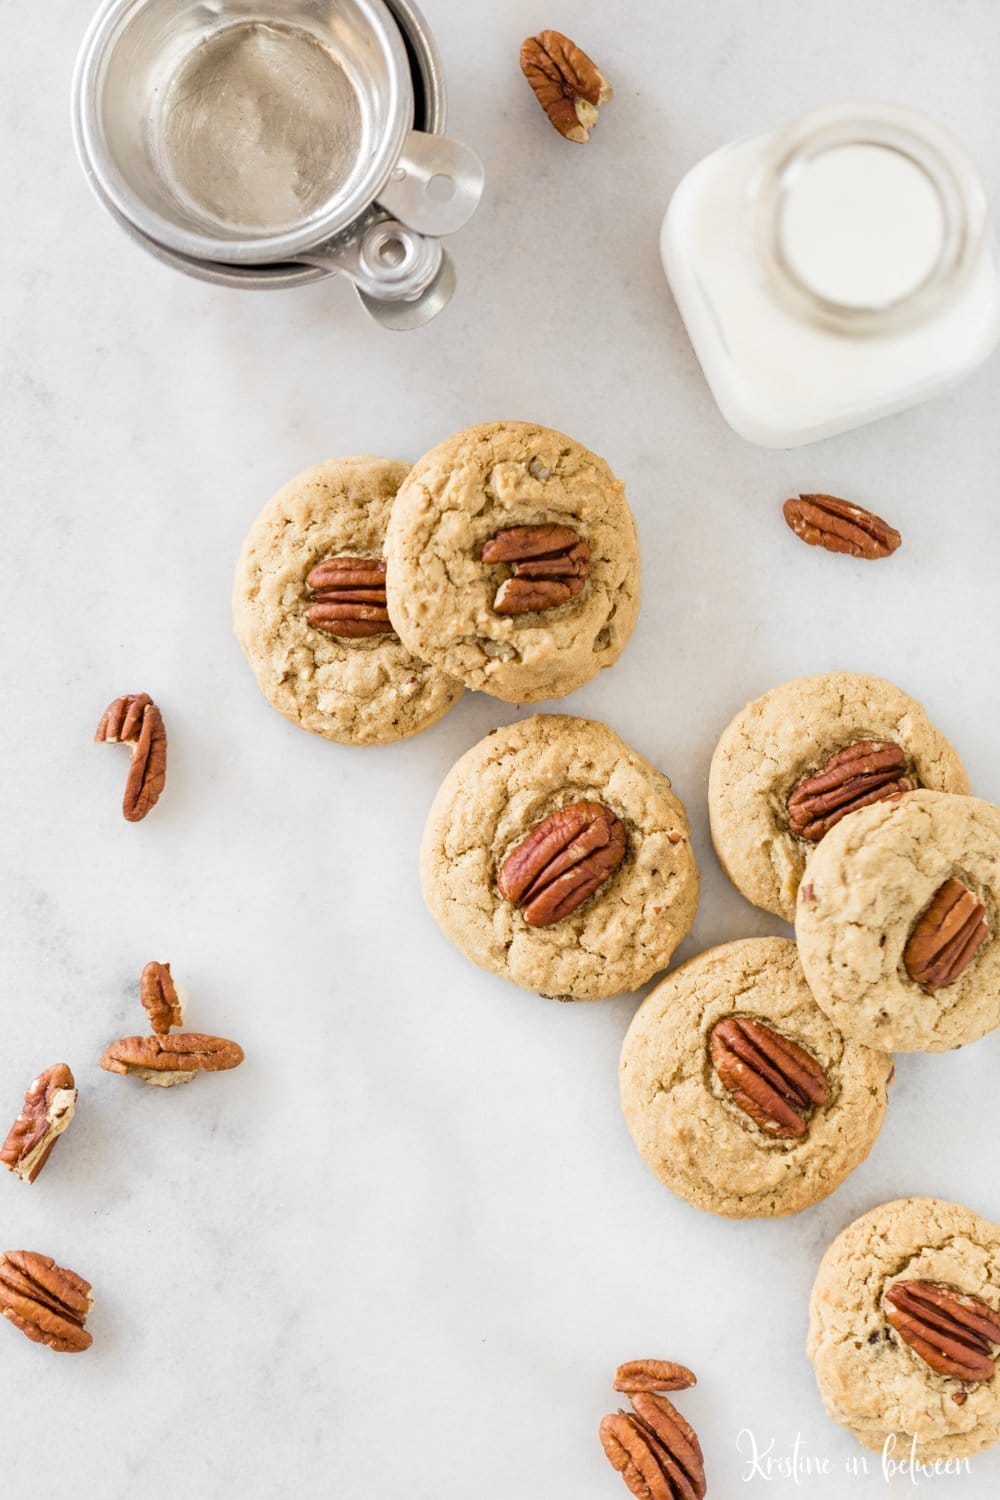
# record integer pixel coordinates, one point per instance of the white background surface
(403, 1248)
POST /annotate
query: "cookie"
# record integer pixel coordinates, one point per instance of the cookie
(558, 858)
(738, 1091)
(897, 922)
(359, 688)
(886, 1288)
(794, 762)
(513, 562)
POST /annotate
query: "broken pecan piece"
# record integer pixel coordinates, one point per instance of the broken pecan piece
(135, 720)
(47, 1302)
(771, 1079)
(349, 597)
(655, 1450)
(562, 862)
(166, 1060)
(652, 1375)
(839, 526)
(47, 1110)
(953, 1333)
(566, 82)
(947, 937)
(870, 771)
(160, 998)
(549, 565)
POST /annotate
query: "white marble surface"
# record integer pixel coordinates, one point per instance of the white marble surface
(403, 1248)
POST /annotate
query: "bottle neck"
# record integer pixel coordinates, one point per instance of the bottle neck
(869, 219)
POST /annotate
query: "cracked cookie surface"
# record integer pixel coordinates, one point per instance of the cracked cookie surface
(441, 593)
(357, 692)
(865, 888)
(686, 1124)
(776, 741)
(500, 790)
(870, 1379)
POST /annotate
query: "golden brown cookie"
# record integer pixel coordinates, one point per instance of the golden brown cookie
(513, 562)
(738, 1091)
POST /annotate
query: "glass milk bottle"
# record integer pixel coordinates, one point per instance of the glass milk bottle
(833, 271)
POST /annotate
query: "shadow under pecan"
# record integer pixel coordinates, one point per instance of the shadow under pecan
(953, 1333)
(136, 721)
(45, 1301)
(47, 1110)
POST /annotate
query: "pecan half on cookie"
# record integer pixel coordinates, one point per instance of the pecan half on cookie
(548, 564)
(135, 720)
(770, 1078)
(566, 82)
(47, 1110)
(870, 771)
(953, 1333)
(46, 1302)
(564, 860)
(167, 1060)
(947, 937)
(348, 595)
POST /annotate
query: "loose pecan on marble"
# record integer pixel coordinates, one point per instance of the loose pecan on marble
(160, 998)
(549, 565)
(167, 1060)
(48, 1303)
(47, 1110)
(136, 721)
(953, 1333)
(562, 862)
(567, 83)
(656, 1375)
(839, 526)
(947, 937)
(774, 1081)
(655, 1450)
(348, 596)
(870, 771)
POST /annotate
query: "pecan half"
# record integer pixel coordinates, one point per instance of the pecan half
(47, 1110)
(655, 1450)
(953, 1333)
(349, 597)
(870, 771)
(549, 565)
(652, 1375)
(562, 862)
(839, 526)
(47, 1302)
(135, 720)
(772, 1080)
(160, 998)
(947, 937)
(566, 82)
(166, 1060)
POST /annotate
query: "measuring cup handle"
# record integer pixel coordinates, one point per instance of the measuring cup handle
(402, 278)
(436, 185)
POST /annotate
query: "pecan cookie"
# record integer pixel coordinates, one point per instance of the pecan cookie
(897, 922)
(904, 1329)
(793, 763)
(738, 1091)
(560, 859)
(513, 562)
(309, 610)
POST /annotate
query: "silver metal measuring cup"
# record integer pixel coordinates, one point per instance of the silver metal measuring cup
(268, 143)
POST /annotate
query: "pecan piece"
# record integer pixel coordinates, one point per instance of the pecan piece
(549, 565)
(349, 597)
(166, 1060)
(771, 1079)
(135, 720)
(951, 1332)
(652, 1375)
(161, 998)
(655, 1450)
(870, 771)
(947, 937)
(566, 82)
(47, 1302)
(47, 1110)
(839, 526)
(562, 862)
